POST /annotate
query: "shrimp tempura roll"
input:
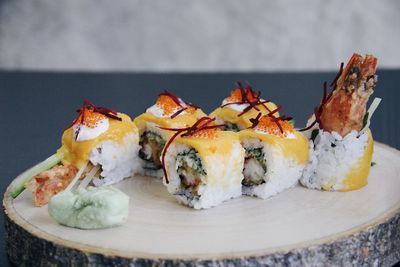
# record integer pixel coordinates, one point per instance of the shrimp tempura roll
(101, 143)
(341, 143)
(240, 107)
(203, 165)
(169, 111)
(275, 157)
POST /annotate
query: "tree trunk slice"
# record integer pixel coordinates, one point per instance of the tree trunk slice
(297, 227)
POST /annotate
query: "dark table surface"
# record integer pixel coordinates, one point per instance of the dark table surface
(36, 107)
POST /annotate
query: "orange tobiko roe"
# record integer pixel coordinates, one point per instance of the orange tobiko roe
(236, 96)
(206, 133)
(268, 125)
(91, 118)
(190, 109)
(168, 105)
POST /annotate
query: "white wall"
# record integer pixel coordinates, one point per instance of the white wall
(183, 35)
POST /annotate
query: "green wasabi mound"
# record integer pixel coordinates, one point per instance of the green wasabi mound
(91, 208)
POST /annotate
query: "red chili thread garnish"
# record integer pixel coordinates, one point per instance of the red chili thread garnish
(102, 110)
(82, 114)
(325, 98)
(89, 105)
(338, 74)
(276, 120)
(175, 98)
(255, 121)
(285, 118)
(178, 102)
(277, 123)
(274, 111)
(201, 125)
(253, 102)
(251, 106)
(178, 112)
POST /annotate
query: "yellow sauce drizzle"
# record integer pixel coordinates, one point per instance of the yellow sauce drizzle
(77, 153)
(357, 177)
(296, 148)
(230, 115)
(220, 144)
(180, 121)
(217, 148)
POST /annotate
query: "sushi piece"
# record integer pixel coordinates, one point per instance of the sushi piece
(203, 165)
(101, 145)
(341, 143)
(275, 156)
(240, 107)
(169, 111)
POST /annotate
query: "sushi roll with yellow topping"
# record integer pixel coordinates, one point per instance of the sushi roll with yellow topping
(203, 165)
(275, 156)
(341, 143)
(169, 111)
(242, 105)
(101, 147)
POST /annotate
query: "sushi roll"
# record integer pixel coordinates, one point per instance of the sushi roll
(203, 165)
(341, 143)
(169, 111)
(101, 146)
(275, 156)
(240, 107)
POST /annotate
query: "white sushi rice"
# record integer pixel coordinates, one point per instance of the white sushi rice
(226, 171)
(152, 127)
(117, 160)
(331, 159)
(282, 172)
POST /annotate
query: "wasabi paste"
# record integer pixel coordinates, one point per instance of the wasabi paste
(91, 208)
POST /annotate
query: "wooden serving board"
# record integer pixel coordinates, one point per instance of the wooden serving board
(297, 227)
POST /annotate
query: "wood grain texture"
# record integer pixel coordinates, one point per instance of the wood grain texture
(297, 227)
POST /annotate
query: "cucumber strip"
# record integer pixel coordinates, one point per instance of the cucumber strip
(370, 112)
(18, 184)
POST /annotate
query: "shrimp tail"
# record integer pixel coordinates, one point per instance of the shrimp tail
(345, 107)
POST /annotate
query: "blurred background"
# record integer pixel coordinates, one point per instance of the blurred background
(197, 35)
